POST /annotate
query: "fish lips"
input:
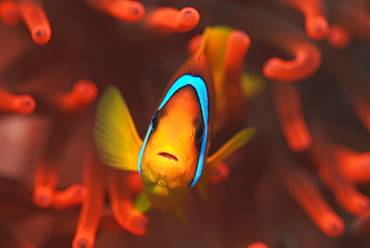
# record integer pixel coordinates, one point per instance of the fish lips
(162, 169)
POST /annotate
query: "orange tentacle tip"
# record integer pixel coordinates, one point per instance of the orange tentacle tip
(132, 220)
(357, 168)
(353, 201)
(9, 12)
(72, 196)
(317, 27)
(237, 47)
(83, 93)
(257, 245)
(220, 173)
(195, 43)
(332, 225)
(137, 223)
(86, 90)
(43, 197)
(23, 104)
(170, 20)
(126, 215)
(129, 11)
(306, 62)
(354, 165)
(297, 135)
(36, 20)
(187, 19)
(83, 240)
(339, 37)
(308, 196)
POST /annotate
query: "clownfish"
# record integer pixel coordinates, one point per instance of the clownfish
(173, 156)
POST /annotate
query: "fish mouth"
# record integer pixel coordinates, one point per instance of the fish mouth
(168, 156)
(163, 166)
(168, 153)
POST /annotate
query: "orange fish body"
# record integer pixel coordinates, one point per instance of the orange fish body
(174, 153)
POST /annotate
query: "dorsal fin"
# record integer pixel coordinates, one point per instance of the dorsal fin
(205, 36)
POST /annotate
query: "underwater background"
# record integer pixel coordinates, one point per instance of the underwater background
(301, 182)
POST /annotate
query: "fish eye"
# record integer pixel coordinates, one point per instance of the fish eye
(154, 121)
(199, 133)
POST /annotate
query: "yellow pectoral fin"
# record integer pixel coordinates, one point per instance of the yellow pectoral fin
(142, 203)
(237, 141)
(115, 133)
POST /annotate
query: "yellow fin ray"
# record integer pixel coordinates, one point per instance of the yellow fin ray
(234, 143)
(115, 133)
(142, 203)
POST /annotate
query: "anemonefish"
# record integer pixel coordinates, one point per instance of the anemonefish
(173, 157)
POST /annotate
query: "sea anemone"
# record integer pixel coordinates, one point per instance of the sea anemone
(301, 182)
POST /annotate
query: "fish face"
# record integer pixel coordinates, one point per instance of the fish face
(171, 153)
(172, 156)
(165, 170)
